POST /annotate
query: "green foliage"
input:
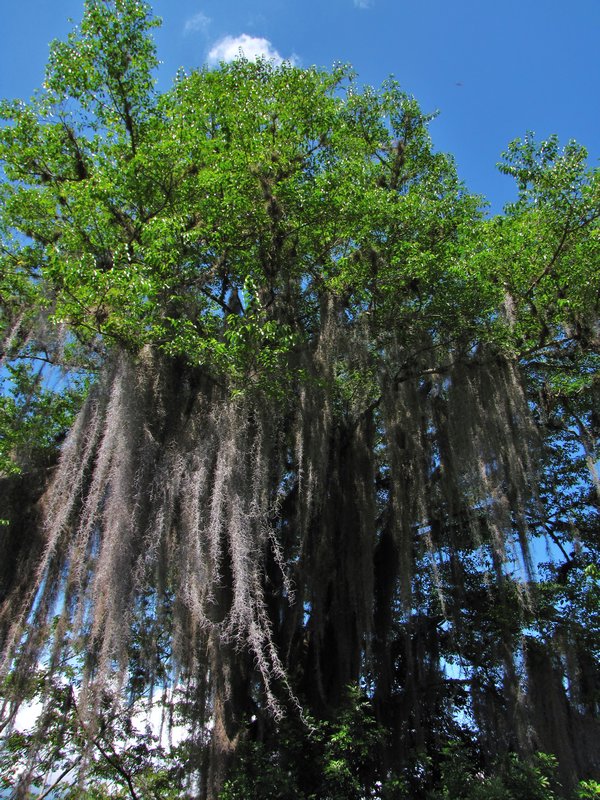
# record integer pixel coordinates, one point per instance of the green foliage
(161, 220)
(510, 779)
(121, 755)
(588, 790)
(33, 417)
(329, 760)
(340, 760)
(208, 221)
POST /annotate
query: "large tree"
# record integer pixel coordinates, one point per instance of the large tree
(283, 414)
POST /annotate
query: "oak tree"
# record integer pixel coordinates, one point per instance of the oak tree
(285, 412)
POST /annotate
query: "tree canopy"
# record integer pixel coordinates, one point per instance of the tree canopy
(289, 425)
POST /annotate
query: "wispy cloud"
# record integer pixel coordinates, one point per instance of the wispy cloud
(251, 47)
(199, 22)
(363, 3)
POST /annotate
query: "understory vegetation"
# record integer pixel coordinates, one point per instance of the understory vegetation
(299, 478)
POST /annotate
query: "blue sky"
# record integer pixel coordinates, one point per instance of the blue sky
(493, 68)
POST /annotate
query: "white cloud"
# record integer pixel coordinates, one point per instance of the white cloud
(252, 47)
(363, 3)
(199, 22)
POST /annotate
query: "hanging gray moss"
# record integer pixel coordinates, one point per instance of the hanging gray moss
(253, 526)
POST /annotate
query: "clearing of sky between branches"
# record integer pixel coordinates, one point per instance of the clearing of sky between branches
(288, 425)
